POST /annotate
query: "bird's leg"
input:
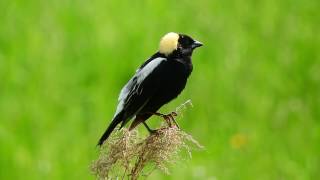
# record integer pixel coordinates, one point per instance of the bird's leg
(168, 118)
(151, 131)
(173, 115)
(165, 117)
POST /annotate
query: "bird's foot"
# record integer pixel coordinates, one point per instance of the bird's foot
(169, 118)
(173, 116)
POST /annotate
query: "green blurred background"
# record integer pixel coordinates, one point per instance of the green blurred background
(255, 85)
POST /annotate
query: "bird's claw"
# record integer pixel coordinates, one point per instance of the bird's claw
(171, 118)
(175, 122)
(168, 118)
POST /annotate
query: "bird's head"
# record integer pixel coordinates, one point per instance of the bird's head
(180, 44)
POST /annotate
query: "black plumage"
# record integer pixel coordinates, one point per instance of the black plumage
(158, 80)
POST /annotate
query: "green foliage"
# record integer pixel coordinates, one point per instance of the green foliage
(255, 85)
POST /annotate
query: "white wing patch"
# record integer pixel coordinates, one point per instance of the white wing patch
(147, 69)
(136, 80)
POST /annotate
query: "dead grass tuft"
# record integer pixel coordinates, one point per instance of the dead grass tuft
(126, 155)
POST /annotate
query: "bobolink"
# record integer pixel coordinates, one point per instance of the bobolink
(157, 81)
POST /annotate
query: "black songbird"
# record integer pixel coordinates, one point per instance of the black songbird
(157, 81)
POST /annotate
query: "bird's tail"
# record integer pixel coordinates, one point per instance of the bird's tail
(116, 120)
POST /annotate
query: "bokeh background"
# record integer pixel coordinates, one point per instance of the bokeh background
(255, 85)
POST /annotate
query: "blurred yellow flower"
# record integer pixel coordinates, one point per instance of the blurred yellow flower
(238, 141)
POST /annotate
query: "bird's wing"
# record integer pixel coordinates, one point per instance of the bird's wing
(138, 91)
(153, 57)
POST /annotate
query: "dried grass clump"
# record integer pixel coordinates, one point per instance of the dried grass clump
(127, 155)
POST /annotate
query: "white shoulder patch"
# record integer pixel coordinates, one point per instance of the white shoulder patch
(168, 43)
(140, 75)
(147, 69)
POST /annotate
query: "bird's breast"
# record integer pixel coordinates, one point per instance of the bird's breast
(174, 79)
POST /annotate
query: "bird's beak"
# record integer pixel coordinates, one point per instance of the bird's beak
(196, 44)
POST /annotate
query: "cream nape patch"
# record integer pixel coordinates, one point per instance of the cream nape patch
(168, 43)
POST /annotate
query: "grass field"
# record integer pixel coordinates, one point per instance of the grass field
(255, 85)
